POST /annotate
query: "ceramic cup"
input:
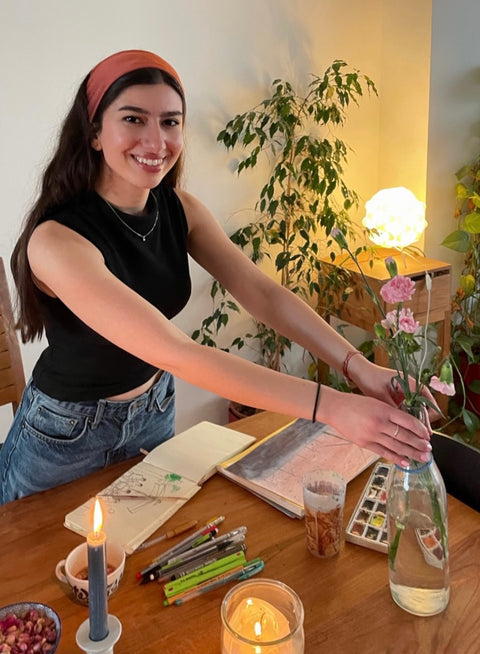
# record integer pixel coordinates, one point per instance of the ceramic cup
(323, 499)
(71, 571)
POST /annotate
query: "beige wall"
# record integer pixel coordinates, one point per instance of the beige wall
(454, 115)
(405, 77)
(227, 53)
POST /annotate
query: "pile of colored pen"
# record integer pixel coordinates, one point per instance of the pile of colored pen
(201, 562)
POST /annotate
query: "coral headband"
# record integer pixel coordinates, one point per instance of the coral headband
(110, 69)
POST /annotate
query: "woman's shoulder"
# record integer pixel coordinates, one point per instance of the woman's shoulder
(169, 195)
(74, 209)
(171, 205)
(192, 206)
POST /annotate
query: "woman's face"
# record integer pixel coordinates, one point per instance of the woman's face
(141, 138)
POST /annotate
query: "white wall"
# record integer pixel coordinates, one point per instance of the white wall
(454, 119)
(227, 53)
(405, 77)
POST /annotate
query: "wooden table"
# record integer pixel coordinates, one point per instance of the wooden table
(347, 601)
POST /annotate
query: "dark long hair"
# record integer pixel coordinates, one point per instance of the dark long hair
(73, 169)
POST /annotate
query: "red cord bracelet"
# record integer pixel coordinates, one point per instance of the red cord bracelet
(350, 354)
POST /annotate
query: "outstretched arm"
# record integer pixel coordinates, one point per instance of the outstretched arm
(266, 300)
(74, 271)
(275, 305)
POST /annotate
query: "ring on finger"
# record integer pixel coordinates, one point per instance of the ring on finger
(395, 433)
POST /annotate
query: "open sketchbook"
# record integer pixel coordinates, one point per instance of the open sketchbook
(273, 468)
(150, 492)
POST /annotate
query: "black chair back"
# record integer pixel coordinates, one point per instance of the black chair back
(459, 464)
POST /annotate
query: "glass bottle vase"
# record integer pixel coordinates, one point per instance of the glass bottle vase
(418, 538)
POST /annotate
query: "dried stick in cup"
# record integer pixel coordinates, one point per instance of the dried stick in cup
(323, 498)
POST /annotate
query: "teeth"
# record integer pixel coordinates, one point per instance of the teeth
(149, 162)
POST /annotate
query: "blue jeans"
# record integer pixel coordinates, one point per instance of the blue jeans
(52, 442)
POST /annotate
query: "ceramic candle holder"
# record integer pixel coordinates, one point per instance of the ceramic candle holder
(263, 616)
(105, 646)
(72, 570)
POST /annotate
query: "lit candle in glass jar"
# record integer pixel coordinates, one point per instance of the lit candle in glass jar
(255, 625)
(97, 577)
(259, 621)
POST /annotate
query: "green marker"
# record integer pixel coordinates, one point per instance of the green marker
(204, 574)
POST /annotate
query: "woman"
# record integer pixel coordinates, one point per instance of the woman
(101, 265)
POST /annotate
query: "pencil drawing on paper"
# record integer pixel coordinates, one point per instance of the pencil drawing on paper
(156, 486)
(144, 497)
(279, 463)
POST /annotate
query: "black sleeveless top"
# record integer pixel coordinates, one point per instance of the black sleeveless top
(78, 363)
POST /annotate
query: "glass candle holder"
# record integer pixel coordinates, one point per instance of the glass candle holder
(262, 617)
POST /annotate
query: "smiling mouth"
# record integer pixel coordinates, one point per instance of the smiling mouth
(149, 162)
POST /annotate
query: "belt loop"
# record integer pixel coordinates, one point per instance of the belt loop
(101, 404)
(29, 390)
(152, 394)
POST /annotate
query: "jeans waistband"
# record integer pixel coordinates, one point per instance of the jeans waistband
(96, 409)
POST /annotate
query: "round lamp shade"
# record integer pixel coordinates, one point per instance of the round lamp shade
(395, 218)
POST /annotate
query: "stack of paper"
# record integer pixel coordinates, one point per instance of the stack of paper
(148, 494)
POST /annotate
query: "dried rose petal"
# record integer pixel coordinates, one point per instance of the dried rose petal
(32, 633)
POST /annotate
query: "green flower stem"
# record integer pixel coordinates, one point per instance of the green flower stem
(437, 513)
(365, 280)
(437, 519)
(392, 550)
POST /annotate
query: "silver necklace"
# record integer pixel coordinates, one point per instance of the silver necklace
(142, 236)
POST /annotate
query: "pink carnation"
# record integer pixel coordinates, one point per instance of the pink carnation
(401, 321)
(441, 386)
(390, 320)
(398, 289)
(406, 322)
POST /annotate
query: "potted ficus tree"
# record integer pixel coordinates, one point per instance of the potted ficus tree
(303, 198)
(465, 340)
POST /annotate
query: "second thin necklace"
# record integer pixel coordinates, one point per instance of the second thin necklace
(142, 236)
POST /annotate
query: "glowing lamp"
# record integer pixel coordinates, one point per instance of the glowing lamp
(395, 218)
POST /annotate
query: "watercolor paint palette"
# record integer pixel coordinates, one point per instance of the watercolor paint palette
(368, 524)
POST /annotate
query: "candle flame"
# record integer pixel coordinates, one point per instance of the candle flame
(97, 516)
(257, 628)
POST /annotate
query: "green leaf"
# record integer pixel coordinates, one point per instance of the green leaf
(380, 331)
(474, 386)
(463, 172)
(282, 260)
(475, 198)
(458, 240)
(272, 207)
(472, 223)
(467, 343)
(470, 420)
(467, 284)
(233, 306)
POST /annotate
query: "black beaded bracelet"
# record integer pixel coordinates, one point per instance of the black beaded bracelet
(317, 397)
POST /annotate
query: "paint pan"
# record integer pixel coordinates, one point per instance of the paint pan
(368, 524)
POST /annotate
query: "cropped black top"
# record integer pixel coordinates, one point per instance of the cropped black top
(78, 363)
